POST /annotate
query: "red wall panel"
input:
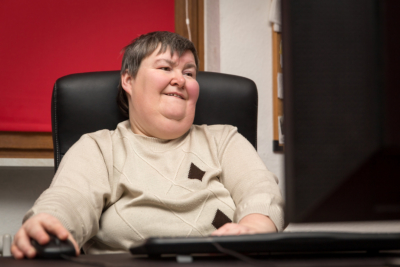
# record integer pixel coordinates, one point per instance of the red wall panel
(43, 40)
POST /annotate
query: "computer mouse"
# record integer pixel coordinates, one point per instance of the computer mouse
(54, 248)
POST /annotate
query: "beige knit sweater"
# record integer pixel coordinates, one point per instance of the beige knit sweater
(115, 188)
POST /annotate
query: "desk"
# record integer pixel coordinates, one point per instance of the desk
(294, 260)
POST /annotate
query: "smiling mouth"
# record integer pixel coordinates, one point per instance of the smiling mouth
(178, 96)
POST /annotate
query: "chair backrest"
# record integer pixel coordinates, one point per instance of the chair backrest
(86, 102)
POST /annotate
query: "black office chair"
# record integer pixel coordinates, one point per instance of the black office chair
(86, 102)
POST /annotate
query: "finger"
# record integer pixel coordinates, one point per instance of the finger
(223, 229)
(48, 224)
(34, 229)
(17, 254)
(232, 231)
(216, 233)
(242, 230)
(22, 243)
(77, 250)
(54, 226)
(219, 231)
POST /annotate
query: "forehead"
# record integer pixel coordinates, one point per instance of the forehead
(158, 53)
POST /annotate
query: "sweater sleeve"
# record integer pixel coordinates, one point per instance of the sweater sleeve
(80, 189)
(253, 188)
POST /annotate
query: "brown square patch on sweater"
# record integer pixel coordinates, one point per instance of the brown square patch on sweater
(220, 219)
(195, 172)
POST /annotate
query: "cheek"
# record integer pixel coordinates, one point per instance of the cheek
(193, 91)
(149, 88)
(157, 82)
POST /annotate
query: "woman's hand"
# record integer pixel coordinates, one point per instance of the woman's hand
(37, 228)
(250, 224)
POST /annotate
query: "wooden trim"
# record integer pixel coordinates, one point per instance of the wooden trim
(196, 18)
(26, 140)
(27, 153)
(26, 145)
(200, 33)
(277, 103)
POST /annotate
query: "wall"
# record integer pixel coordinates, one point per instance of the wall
(20, 186)
(43, 40)
(238, 40)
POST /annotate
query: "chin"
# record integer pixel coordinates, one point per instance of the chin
(172, 129)
(174, 115)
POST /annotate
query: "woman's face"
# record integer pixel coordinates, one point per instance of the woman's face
(162, 97)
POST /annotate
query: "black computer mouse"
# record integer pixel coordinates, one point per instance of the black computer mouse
(54, 248)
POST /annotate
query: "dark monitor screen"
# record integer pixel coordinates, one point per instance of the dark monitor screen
(342, 110)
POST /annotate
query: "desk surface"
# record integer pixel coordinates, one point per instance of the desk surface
(121, 260)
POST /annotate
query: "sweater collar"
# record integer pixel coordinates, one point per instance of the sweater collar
(153, 143)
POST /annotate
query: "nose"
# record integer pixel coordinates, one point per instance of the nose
(178, 80)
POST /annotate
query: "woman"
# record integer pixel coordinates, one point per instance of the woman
(157, 174)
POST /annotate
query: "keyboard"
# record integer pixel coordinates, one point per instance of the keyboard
(272, 242)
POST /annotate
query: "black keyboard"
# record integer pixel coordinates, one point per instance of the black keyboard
(273, 242)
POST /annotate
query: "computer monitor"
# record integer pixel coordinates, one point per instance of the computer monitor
(342, 110)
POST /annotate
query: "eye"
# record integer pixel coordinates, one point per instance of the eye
(189, 74)
(165, 68)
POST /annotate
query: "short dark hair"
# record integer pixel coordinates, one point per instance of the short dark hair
(142, 47)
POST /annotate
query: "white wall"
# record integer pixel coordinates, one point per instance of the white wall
(21, 183)
(243, 33)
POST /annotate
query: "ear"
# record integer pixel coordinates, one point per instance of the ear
(126, 82)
